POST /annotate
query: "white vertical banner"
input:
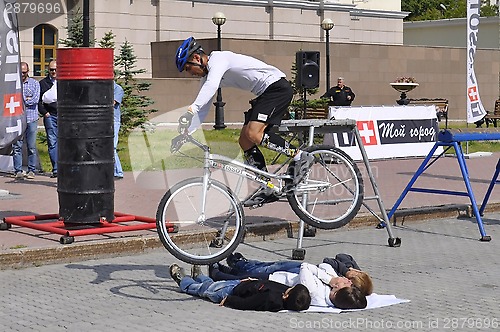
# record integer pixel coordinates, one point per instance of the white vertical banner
(12, 116)
(475, 109)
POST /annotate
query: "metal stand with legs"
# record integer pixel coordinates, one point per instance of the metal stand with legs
(318, 126)
(451, 139)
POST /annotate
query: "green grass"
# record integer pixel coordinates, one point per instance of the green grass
(151, 150)
(141, 150)
(473, 146)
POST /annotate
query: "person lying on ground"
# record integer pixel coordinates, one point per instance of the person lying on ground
(240, 267)
(246, 294)
(325, 286)
(345, 265)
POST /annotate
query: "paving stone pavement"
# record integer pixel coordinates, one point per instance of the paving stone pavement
(450, 277)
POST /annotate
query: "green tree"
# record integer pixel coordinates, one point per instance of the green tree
(135, 105)
(75, 31)
(440, 9)
(108, 40)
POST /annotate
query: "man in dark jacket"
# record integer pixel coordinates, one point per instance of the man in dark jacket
(340, 95)
(246, 294)
(48, 110)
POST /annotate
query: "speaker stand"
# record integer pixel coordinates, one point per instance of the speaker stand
(304, 105)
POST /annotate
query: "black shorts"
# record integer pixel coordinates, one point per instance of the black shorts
(271, 106)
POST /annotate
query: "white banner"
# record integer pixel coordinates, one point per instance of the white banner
(12, 117)
(388, 131)
(475, 109)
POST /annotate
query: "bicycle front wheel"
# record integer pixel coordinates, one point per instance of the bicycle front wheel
(332, 193)
(198, 232)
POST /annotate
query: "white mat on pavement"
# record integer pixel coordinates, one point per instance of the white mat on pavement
(374, 301)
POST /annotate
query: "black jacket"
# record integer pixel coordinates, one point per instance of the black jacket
(259, 295)
(341, 263)
(45, 85)
(338, 96)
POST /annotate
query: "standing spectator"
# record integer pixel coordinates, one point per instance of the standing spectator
(118, 96)
(340, 95)
(31, 96)
(48, 109)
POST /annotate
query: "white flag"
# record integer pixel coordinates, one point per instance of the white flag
(12, 117)
(475, 109)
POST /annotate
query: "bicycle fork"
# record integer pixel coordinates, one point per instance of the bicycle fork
(218, 240)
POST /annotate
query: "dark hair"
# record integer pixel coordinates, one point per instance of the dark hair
(298, 298)
(349, 298)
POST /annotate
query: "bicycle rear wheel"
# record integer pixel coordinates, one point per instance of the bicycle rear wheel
(332, 193)
(199, 238)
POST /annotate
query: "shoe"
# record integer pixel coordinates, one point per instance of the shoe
(30, 175)
(212, 270)
(177, 273)
(262, 196)
(302, 166)
(117, 177)
(232, 259)
(19, 176)
(226, 269)
(195, 271)
(54, 175)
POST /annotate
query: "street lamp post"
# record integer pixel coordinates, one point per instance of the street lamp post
(86, 23)
(327, 25)
(219, 19)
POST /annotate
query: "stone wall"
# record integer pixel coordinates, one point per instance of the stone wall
(367, 68)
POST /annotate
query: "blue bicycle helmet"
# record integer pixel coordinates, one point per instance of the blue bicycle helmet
(187, 48)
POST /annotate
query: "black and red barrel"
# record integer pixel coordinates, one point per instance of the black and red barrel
(85, 182)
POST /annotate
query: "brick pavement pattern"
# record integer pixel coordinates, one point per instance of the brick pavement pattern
(450, 277)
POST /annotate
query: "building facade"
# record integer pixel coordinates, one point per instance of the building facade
(367, 45)
(452, 33)
(141, 22)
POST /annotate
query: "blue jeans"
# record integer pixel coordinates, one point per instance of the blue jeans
(30, 137)
(50, 124)
(118, 165)
(205, 287)
(262, 270)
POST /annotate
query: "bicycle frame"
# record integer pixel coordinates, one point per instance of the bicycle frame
(245, 171)
(212, 206)
(216, 161)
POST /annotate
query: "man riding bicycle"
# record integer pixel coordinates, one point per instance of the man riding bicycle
(274, 94)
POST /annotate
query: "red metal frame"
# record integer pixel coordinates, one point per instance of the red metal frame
(102, 227)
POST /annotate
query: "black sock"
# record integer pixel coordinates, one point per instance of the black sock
(255, 158)
(276, 143)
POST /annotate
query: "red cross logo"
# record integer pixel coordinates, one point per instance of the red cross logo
(367, 132)
(472, 93)
(12, 105)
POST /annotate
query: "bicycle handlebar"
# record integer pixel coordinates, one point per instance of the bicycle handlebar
(180, 140)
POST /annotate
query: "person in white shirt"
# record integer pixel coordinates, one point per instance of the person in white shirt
(274, 94)
(325, 286)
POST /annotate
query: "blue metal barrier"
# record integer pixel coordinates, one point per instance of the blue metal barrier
(451, 139)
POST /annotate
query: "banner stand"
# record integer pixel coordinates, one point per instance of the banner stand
(317, 126)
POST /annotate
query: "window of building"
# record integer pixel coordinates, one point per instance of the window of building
(44, 48)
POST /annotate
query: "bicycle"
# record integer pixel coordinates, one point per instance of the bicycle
(201, 221)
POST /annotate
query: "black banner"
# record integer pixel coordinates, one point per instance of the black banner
(12, 117)
(407, 131)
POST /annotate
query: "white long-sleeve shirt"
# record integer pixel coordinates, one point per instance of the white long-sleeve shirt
(229, 69)
(315, 278)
